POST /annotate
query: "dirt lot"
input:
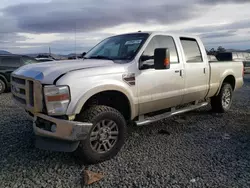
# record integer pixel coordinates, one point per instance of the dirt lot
(198, 149)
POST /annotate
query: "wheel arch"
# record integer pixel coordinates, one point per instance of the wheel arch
(3, 78)
(230, 79)
(126, 98)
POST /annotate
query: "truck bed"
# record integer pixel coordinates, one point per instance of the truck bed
(218, 71)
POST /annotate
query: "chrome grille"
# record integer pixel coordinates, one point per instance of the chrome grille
(27, 93)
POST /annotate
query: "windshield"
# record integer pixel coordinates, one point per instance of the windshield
(28, 60)
(121, 47)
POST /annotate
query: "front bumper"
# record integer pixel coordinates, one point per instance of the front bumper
(64, 129)
(64, 137)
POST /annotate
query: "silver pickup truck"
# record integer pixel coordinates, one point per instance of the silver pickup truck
(85, 105)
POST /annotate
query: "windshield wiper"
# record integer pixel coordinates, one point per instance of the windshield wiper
(100, 57)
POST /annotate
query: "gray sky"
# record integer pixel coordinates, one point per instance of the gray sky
(28, 26)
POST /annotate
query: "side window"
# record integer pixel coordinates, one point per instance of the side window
(191, 50)
(161, 41)
(11, 62)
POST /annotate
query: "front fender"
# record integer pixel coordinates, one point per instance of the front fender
(84, 94)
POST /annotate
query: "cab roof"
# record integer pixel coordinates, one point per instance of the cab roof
(163, 33)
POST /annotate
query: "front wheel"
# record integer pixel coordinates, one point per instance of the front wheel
(107, 136)
(2, 86)
(223, 101)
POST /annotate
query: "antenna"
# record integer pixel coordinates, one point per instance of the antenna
(75, 41)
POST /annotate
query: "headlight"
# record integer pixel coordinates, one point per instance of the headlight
(57, 99)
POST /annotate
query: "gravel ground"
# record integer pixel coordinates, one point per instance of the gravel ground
(198, 149)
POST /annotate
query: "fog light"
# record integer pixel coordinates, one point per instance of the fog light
(53, 128)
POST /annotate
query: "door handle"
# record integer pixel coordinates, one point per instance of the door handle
(204, 70)
(179, 71)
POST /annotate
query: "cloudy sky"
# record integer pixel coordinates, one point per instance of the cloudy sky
(30, 26)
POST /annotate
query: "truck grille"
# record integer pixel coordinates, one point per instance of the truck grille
(27, 92)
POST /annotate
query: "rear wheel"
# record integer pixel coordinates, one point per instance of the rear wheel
(2, 86)
(106, 137)
(223, 101)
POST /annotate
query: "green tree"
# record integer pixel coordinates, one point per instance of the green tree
(221, 49)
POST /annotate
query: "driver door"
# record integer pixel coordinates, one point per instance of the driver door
(160, 89)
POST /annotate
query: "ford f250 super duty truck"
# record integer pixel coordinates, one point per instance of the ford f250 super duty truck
(85, 105)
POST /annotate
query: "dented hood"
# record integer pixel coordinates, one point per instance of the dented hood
(47, 72)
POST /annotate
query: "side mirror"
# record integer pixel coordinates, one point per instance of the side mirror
(83, 54)
(146, 57)
(161, 58)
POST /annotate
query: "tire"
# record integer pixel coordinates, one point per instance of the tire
(2, 86)
(221, 103)
(102, 116)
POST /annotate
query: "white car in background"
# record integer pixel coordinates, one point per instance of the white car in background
(43, 59)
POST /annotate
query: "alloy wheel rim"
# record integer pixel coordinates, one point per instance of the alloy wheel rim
(104, 136)
(226, 98)
(1, 86)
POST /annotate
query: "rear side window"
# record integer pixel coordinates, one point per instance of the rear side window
(191, 50)
(11, 62)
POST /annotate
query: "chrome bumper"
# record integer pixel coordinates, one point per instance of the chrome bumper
(65, 129)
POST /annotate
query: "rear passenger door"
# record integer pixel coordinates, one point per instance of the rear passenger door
(196, 70)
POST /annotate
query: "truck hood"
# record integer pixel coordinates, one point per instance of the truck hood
(47, 72)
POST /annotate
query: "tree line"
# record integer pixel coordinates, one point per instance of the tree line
(213, 51)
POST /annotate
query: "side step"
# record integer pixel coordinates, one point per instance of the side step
(173, 112)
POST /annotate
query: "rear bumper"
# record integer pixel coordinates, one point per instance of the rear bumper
(58, 134)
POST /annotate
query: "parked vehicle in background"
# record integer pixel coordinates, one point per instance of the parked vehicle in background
(247, 67)
(246, 63)
(85, 104)
(9, 63)
(44, 59)
(212, 58)
(236, 56)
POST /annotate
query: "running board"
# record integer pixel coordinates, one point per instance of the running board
(169, 114)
